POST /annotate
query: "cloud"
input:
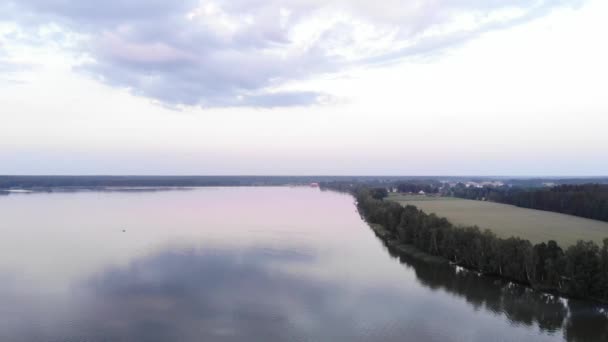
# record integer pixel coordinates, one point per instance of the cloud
(249, 52)
(9, 66)
(6, 66)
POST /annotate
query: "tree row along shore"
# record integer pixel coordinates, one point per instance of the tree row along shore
(580, 271)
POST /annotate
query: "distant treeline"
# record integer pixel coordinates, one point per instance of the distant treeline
(429, 187)
(405, 186)
(585, 200)
(407, 183)
(579, 271)
(47, 182)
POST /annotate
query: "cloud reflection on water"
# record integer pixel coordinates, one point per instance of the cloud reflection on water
(237, 295)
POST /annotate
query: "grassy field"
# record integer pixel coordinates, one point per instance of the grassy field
(507, 220)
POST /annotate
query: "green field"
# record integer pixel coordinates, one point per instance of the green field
(507, 220)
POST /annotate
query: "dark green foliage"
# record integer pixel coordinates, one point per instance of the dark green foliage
(580, 271)
(583, 268)
(549, 265)
(379, 193)
(415, 187)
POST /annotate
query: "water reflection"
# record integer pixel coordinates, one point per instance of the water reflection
(218, 295)
(580, 320)
(227, 295)
(251, 264)
(213, 296)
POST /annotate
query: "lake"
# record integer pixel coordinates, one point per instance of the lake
(245, 264)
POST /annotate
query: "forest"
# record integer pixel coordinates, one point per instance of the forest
(580, 271)
(584, 200)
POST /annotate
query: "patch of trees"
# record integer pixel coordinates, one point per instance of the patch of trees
(585, 200)
(379, 193)
(542, 182)
(579, 271)
(415, 187)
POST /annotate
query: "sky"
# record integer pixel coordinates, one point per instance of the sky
(304, 87)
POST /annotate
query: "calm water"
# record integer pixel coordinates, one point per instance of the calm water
(244, 264)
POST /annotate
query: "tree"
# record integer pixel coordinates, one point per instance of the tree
(583, 269)
(379, 193)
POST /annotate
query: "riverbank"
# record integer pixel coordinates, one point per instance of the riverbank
(580, 271)
(403, 249)
(411, 252)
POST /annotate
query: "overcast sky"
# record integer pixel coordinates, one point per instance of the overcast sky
(345, 87)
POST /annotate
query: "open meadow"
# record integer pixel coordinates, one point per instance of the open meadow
(507, 220)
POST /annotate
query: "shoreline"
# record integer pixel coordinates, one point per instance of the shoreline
(403, 249)
(410, 251)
